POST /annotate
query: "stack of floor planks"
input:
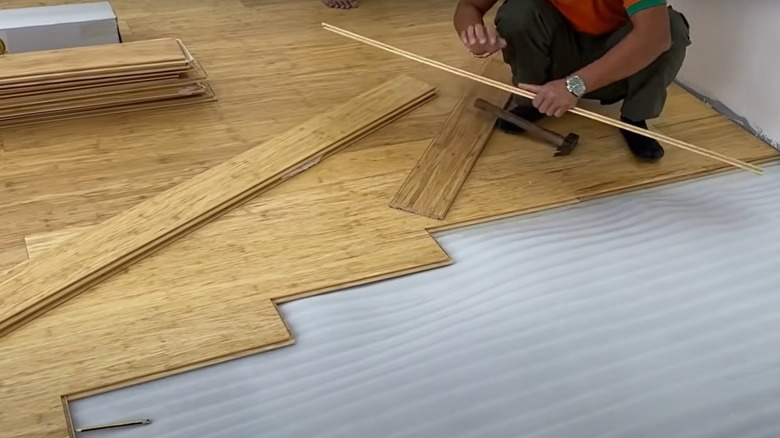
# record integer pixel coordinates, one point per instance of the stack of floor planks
(77, 82)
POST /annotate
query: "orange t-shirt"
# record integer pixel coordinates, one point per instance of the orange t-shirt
(601, 16)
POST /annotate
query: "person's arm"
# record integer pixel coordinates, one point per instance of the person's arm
(470, 13)
(649, 38)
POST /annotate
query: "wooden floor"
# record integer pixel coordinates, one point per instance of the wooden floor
(210, 296)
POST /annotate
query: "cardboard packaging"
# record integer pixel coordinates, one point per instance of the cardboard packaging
(57, 27)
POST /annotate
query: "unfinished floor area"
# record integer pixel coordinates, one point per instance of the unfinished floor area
(212, 295)
(647, 314)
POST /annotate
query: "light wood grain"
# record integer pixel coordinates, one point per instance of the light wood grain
(321, 230)
(433, 183)
(61, 274)
(42, 242)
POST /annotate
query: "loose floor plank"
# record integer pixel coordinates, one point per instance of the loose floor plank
(434, 182)
(21, 68)
(58, 275)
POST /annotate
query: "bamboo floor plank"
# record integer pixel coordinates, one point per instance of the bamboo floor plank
(94, 75)
(100, 100)
(36, 287)
(21, 68)
(202, 96)
(321, 230)
(89, 83)
(76, 95)
(100, 72)
(59, 92)
(433, 183)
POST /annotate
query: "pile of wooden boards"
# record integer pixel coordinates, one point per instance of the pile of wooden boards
(77, 82)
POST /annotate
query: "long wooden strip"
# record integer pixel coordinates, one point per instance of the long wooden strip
(524, 93)
(67, 270)
(434, 182)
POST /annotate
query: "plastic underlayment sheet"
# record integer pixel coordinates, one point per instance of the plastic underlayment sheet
(650, 314)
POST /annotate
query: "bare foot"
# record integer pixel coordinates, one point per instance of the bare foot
(340, 4)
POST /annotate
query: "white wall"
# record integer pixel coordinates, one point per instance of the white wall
(735, 58)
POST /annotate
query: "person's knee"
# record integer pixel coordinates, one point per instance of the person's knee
(516, 18)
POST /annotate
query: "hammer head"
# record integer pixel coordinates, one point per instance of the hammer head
(568, 145)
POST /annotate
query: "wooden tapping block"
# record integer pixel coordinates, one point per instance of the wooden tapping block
(63, 272)
(434, 182)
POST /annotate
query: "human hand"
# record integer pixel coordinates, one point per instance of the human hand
(552, 98)
(482, 41)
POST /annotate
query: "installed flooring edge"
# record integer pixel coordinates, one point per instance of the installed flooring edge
(653, 313)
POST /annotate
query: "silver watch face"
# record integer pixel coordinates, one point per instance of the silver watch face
(575, 85)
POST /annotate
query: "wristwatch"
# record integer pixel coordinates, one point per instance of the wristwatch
(575, 85)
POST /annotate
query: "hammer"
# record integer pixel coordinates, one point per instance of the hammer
(563, 146)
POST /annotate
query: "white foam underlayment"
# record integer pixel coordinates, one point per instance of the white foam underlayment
(650, 314)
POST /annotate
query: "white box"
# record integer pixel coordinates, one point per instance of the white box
(57, 27)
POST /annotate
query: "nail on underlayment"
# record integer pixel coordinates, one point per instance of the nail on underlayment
(114, 425)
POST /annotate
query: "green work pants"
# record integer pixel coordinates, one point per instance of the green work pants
(542, 46)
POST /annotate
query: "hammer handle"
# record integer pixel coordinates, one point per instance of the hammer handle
(530, 127)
